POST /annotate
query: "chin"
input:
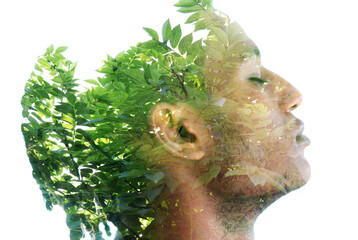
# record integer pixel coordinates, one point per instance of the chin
(299, 176)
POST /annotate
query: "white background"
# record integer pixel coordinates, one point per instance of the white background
(311, 43)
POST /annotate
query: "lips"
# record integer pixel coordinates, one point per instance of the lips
(302, 139)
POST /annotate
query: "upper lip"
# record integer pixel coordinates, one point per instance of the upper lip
(299, 137)
(301, 127)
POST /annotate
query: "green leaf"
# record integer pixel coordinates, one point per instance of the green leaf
(149, 44)
(221, 35)
(65, 108)
(81, 108)
(186, 3)
(215, 54)
(92, 121)
(195, 48)
(150, 72)
(203, 179)
(65, 186)
(195, 17)
(175, 36)
(57, 79)
(44, 62)
(216, 45)
(152, 33)
(105, 69)
(134, 73)
(166, 30)
(156, 177)
(215, 170)
(71, 98)
(190, 9)
(236, 172)
(38, 68)
(185, 43)
(61, 49)
(50, 49)
(92, 81)
(154, 192)
(202, 24)
(120, 86)
(207, 3)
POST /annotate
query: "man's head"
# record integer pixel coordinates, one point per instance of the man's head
(245, 128)
(167, 113)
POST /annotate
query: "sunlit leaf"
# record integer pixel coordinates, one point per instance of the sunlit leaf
(185, 43)
(152, 33)
(186, 3)
(61, 49)
(166, 30)
(190, 9)
(175, 36)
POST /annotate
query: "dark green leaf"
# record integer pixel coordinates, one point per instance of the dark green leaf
(71, 98)
(156, 177)
(81, 108)
(154, 192)
(65, 108)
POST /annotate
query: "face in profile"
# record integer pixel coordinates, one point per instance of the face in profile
(252, 134)
(261, 138)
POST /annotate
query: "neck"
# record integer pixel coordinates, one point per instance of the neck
(196, 214)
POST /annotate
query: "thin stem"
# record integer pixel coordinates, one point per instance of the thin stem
(181, 81)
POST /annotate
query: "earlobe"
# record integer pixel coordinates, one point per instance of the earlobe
(181, 130)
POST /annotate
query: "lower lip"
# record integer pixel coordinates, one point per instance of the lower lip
(303, 140)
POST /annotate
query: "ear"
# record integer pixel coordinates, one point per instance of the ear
(181, 130)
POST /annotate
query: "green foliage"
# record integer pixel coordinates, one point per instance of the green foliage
(89, 150)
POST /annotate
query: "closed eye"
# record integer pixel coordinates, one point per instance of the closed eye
(258, 80)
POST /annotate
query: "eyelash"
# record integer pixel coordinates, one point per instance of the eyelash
(258, 80)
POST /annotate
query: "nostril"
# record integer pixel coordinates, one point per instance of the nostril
(291, 103)
(293, 107)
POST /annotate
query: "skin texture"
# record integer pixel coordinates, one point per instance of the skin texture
(249, 131)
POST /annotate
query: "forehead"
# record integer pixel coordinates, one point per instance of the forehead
(223, 62)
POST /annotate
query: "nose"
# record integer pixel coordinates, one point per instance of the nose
(291, 101)
(289, 97)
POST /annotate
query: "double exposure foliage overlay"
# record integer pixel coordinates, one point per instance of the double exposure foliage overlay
(89, 149)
